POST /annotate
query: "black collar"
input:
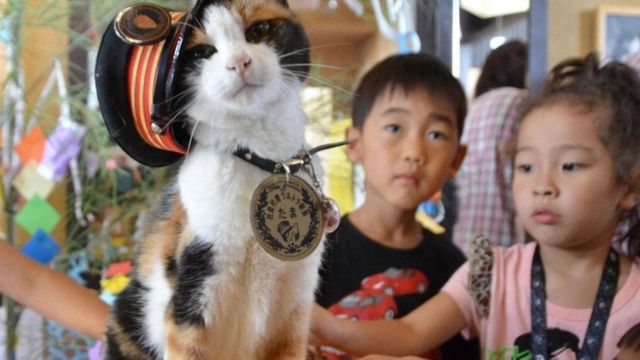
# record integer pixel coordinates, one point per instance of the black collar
(293, 165)
(264, 164)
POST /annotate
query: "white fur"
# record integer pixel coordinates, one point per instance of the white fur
(259, 110)
(157, 299)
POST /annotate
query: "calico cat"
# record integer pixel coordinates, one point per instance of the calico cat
(203, 287)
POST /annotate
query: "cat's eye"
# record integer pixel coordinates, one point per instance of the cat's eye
(258, 31)
(202, 51)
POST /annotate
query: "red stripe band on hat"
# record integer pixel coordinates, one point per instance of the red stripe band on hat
(137, 70)
(142, 76)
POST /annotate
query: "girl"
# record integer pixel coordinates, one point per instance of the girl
(576, 180)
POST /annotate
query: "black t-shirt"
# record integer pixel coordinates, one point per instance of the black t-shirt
(364, 280)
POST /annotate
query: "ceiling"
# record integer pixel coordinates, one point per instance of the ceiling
(493, 8)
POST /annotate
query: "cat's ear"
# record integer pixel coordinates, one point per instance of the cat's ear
(283, 3)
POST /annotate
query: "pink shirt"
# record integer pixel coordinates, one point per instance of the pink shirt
(509, 314)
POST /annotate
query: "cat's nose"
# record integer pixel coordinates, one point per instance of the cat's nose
(239, 64)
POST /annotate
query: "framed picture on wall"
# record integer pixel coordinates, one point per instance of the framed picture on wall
(617, 31)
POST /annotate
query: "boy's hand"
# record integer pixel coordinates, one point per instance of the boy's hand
(323, 325)
(384, 357)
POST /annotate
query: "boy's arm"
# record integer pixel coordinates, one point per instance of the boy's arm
(52, 294)
(422, 330)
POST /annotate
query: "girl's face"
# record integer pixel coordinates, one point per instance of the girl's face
(564, 184)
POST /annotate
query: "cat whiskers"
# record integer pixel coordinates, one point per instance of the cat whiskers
(176, 114)
(321, 81)
(287, 86)
(193, 132)
(189, 25)
(298, 51)
(322, 66)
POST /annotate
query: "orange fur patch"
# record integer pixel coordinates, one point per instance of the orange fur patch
(125, 344)
(253, 11)
(162, 241)
(198, 37)
(288, 344)
(186, 341)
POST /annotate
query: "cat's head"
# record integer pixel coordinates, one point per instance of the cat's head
(231, 68)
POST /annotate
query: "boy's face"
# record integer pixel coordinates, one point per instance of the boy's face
(408, 147)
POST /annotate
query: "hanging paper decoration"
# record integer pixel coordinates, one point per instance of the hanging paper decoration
(116, 280)
(65, 344)
(29, 182)
(41, 247)
(61, 147)
(119, 268)
(31, 146)
(37, 214)
(95, 353)
(430, 214)
(78, 265)
(402, 13)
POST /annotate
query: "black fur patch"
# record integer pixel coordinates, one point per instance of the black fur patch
(196, 264)
(129, 314)
(171, 267)
(290, 40)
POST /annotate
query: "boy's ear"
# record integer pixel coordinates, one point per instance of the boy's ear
(457, 160)
(354, 149)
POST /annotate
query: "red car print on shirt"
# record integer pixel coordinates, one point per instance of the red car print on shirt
(396, 282)
(365, 305)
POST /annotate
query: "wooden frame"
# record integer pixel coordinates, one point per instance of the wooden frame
(617, 31)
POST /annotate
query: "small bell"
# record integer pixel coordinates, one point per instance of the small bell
(331, 212)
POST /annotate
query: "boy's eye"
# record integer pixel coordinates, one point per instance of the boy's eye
(438, 135)
(394, 128)
(572, 166)
(202, 51)
(259, 30)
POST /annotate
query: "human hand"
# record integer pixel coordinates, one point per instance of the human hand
(323, 323)
(385, 357)
(313, 353)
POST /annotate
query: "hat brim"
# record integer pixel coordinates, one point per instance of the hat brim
(111, 86)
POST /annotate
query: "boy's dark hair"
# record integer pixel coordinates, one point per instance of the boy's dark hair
(504, 66)
(631, 339)
(408, 72)
(611, 92)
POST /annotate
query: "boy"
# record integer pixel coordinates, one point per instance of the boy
(408, 114)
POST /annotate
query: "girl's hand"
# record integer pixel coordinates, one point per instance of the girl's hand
(323, 324)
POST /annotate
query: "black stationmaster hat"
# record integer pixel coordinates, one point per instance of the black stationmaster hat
(135, 72)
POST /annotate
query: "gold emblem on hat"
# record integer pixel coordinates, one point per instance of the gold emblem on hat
(287, 217)
(143, 24)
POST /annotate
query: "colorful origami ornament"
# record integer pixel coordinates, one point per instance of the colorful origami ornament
(30, 182)
(31, 146)
(41, 247)
(37, 214)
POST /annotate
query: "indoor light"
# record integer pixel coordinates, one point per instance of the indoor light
(493, 8)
